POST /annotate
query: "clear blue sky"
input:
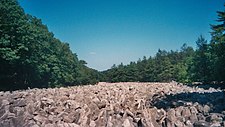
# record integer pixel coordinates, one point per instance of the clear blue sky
(107, 32)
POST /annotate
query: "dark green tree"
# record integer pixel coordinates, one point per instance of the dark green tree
(217, 45)
(201, 61)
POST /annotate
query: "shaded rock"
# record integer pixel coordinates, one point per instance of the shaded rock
(20, 103)
(76, 117)
(39, 118)
(201, 117)
(199, 107)
(7, 115)
(201, 124)
(178, 124)
(18, 95)
(2, 112)
(7, 123)
(206, 109)
(215, 118)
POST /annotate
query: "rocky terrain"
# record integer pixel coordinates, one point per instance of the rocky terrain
(114, 105)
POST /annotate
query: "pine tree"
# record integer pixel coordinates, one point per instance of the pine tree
(201, 61)
(218, 47)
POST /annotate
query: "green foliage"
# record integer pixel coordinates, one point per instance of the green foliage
(164, 67)
(31, 56)
(217, 48)
(201, 62)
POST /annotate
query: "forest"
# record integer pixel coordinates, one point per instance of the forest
(31, 57)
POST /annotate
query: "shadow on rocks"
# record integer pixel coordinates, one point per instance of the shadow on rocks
(208, 86)
(215, 101)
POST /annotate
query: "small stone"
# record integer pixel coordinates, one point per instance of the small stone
(51, 118)
(129, 113)
(19, 103)
(35, 125)
(199, 107)
(127, 123)
(186, 112)
(118, 116)
(215, 125)
(201, 117)
(11, 115)
(193, 110)
(5, 102)
(39, 118)
(178, 111)
(206, 110)
(214, 118)
(92, 124)
(60, 125)
(49, 125)
(178, 124)
(169, 123)
(188, 123)
(48, 101)
(2, 112)
(201, 124)
(76, 117)
(18, 95)
(66, 125)
(101, 104)
(73, 125)
(193, 118)
(171, 115)
(137, 120)
(68, 119)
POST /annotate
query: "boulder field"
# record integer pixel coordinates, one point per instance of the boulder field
(127, 104)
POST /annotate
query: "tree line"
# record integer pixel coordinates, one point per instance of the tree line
(205, 64)
(30, 56)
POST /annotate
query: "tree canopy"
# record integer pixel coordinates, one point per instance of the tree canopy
(31, 56)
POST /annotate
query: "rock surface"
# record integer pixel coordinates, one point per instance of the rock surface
(114, 105)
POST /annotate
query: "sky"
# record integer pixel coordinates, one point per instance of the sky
(107, 32)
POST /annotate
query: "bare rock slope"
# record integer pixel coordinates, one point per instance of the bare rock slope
(114, 105)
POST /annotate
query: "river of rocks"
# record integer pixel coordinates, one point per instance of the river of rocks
(114, 105)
